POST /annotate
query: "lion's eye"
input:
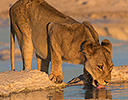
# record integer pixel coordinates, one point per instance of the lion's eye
(100, 67)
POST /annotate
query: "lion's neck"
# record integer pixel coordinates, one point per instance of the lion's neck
(76, 59)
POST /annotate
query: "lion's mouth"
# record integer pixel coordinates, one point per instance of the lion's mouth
(98, 85)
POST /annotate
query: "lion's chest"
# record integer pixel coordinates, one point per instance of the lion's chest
(72, 56)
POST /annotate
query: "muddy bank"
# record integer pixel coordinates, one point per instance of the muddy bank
(116, 30)
(80, 8)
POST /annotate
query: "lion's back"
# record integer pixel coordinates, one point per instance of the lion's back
(37, 14)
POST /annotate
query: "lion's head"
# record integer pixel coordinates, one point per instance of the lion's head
(98, 61)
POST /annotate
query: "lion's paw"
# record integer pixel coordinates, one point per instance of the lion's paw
(56, 78)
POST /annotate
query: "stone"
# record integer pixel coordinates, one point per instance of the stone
(25, 80)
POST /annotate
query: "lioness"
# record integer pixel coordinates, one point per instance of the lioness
(56, 37)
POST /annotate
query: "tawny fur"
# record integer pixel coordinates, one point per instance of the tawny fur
(56, 37)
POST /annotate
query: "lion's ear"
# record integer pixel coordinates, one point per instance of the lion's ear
(87, 47)
(107, 45)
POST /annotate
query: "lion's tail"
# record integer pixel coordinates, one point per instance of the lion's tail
(12, 41)
(12, 49)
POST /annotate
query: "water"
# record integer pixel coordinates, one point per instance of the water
(113, 91)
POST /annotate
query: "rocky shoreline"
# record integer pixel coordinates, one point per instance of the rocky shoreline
(32, 80)
(25, 81)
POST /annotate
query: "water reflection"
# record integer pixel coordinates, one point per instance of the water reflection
(86, 92)
(74, 92)
(37, 95)
(93, 93)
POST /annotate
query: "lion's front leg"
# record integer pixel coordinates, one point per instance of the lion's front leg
(56, 67)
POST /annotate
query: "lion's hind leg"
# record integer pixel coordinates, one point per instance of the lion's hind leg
(42, 64)
(38, 62)
(27, 52)
(26, 46)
